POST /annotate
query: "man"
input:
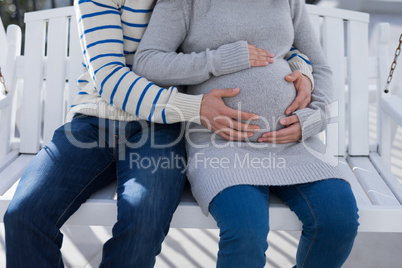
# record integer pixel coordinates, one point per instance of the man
(122, 124)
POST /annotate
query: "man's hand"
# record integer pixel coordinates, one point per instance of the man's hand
(219, 118)
(303, 88)
(291, 133)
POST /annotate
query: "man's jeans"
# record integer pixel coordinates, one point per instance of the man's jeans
(326, 208)
(148, 161)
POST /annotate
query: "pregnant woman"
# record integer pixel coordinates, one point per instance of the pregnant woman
(204, 45)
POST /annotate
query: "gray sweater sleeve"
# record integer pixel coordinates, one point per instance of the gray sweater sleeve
(157, 60)
(313, 119)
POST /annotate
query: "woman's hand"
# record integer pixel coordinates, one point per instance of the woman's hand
(291, 133)
(259, 57)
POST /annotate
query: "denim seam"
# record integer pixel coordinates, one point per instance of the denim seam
(315, 224)
(64, 212)
(122, 139)
(128, 132)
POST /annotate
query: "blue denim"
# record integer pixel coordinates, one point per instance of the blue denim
(84, 156)
(326, 208)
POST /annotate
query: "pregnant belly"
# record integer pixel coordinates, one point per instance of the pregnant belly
(263, 91)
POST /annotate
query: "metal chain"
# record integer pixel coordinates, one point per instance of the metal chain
(393, 65)
(2, 81)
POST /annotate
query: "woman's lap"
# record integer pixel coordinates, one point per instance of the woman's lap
(329, 197)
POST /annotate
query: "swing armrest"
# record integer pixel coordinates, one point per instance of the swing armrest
(392, 105)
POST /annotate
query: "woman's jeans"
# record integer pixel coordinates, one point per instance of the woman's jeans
(148, 161)
(326, 208)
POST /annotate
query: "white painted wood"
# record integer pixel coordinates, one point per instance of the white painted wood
(357, 51)
(75, 66)
(383, 38)
(359, 193)
(390, 115)
(372, 183)
(95, 212)
(48, 14)
(3, 45)
(5, 117)
(380, 219)
(387, 175)
(33, 80)
(333, 45)
(7, 196)
(392, 106)
(55, 76)
(8, 159)
(14, 37)
(383, 121)
(16, 110)
(181, 218)
(13, 172)
(7, 114)
(20, 66)
(373, 68)
(385, 140)
(373, 147)
(386, 128)
(4, 102)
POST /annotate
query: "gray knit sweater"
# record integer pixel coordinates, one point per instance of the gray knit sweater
(203, 44)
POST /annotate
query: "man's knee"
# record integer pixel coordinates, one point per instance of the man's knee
(15, 216)
(26, 210)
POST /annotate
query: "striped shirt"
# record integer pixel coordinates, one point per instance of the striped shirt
(110, 31)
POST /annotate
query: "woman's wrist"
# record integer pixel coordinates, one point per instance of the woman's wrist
(234, 57)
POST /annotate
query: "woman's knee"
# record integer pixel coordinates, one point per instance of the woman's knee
(250, 230)
(241, 213)
(342, 228)
(246, 232)
(336, 215)
(343, 217)
(336, 224)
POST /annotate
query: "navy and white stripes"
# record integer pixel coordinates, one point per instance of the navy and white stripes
(110, 32)
(296, 53)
